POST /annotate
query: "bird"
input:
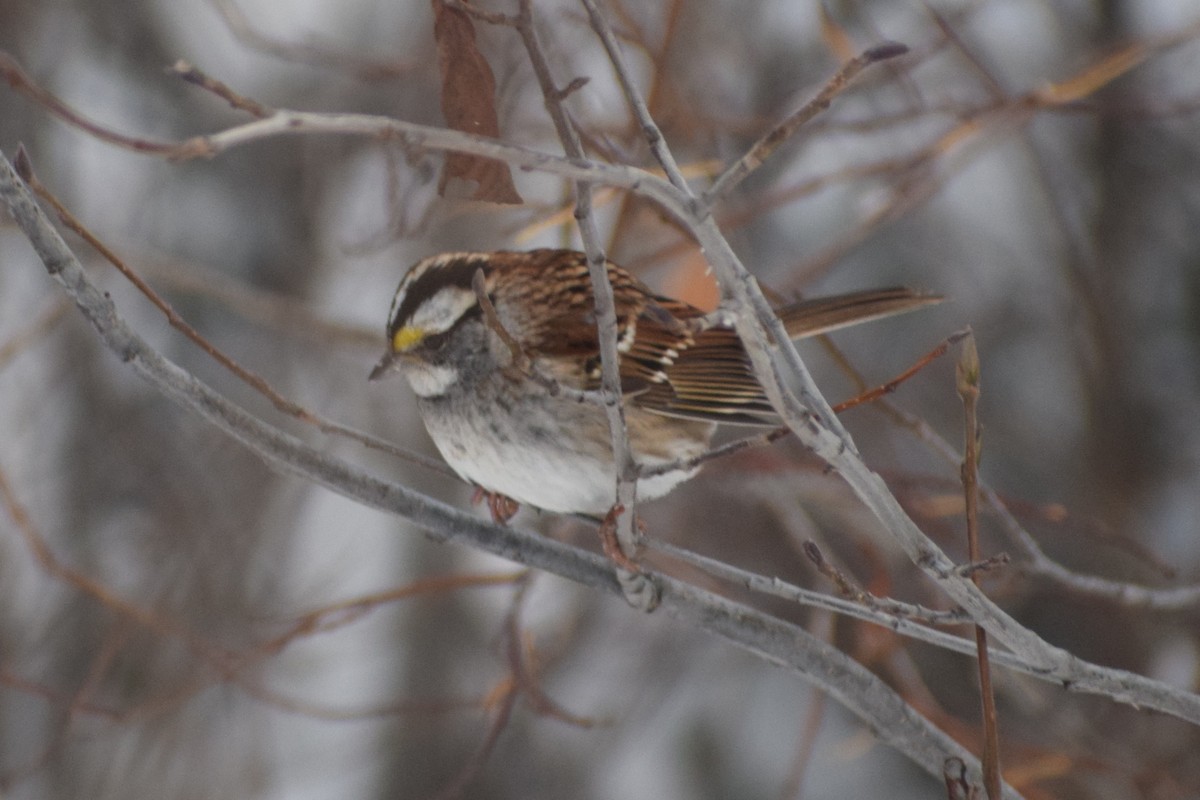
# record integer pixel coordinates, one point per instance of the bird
(501, 347)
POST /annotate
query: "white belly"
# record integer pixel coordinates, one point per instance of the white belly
(526, 454)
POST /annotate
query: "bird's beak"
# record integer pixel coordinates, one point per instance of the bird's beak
(386, 364)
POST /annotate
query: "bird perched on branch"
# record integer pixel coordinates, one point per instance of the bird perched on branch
(499, 347)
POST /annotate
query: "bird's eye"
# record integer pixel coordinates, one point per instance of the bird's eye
(435, 341)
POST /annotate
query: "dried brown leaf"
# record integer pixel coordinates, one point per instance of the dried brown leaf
(836, 38)
(469, 105)
(1094, 78)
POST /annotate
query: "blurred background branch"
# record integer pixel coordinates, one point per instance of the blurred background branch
(1035, 162)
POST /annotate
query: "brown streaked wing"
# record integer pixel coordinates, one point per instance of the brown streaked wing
(713, 379)
(664, 366)
(650, 333)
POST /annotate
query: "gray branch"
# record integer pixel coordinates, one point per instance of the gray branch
(885, 712)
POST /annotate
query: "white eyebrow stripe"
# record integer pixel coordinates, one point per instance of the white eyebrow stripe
(439, 313)
(419, 275)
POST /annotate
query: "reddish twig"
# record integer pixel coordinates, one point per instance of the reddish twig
(883, 389)
(775, 434)
(768, 144)
(967, 383)
(196, 77)
(16, 77)
(522, 663)
(33, 332)
(252, 379)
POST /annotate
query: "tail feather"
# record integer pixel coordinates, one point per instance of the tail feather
(825, 314)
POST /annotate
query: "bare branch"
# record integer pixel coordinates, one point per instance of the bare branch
(1034, 560)
(251, 379)
(641, 111)
(882, 611)
(624, 514)
(853, 685)
(806, 412)
(197, 77)
(16, 77)
(967, 382)
(932, 131)
(768, 144)
(817, 428)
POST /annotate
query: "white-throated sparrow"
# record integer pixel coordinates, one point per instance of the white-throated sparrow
(485, 381)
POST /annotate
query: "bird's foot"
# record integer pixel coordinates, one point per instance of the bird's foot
(612, 545)
(501, 506)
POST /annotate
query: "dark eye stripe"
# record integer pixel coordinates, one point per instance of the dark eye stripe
(434, 341)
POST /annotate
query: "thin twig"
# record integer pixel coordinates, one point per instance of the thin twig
(641, 111)
(250, 378)
(768, 144)
(907, 619)
(503, 699)
(659, 68)
(33, 332)
(16, 77)
(333, 616)
(49, 562)
(266, 309)
(260, 690)
(736, 446)
(967, 383)
(503, 713)
(824, 625)
(521, 657)
(871, 395)
(846, 680)
(775, 434)
(625, 505)
(225, 664)
(197, 77)
(1034, 560)
(806, 412)
(521, 361)
(846, 586)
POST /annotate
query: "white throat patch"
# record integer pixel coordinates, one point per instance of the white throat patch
(428, 380)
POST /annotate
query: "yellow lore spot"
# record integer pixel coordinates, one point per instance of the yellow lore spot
(405, 338)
